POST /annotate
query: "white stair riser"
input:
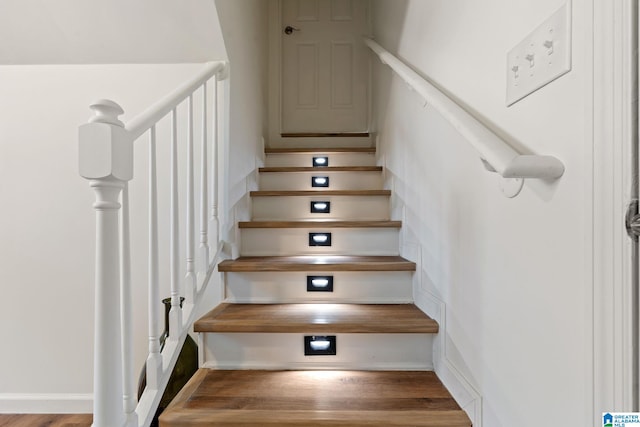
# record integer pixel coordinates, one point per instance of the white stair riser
(286, 351)
(306, 159)
(323, 142)
(295, 241)
(288, 181)
(367, 287)
(294, 208)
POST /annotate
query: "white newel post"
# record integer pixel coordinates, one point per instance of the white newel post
(106, 160)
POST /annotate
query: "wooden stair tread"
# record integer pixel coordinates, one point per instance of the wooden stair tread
(321, 169)
(324, 193)
(319, 318)
(320, 224)
(290, 150)
(317, 263)
(314, 398)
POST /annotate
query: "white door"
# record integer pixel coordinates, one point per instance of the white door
(325, 66)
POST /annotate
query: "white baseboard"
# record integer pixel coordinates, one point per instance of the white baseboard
(46, 403)
(460, 388)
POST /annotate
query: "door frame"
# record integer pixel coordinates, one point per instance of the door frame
(275, 74)
(274, 120)
(608, 250)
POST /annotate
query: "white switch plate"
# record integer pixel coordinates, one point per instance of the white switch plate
(543, 56)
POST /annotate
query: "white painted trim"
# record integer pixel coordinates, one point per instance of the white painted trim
(275, 80)
(46, 403)
(224, 142)
(275, 24)
(460, 387)
(588, 207)
(142, 122)
(610, 249)
(462, 390)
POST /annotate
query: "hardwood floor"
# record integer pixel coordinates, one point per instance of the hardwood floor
(45, 420)
(314, 398)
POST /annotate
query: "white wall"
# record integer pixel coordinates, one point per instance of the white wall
(47, 228)
(511, 273)
(244, 28)
(47, 232)
(113, 32)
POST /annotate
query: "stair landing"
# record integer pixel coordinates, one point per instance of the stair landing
(314, 398)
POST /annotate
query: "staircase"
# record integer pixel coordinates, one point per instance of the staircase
(318, 326)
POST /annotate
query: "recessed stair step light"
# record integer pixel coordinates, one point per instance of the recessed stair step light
(320, 345)
(319, 239)
(320, 207)
(319, 283)
(320, 161)
(320, 181)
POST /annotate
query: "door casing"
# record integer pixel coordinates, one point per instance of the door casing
(275, 138)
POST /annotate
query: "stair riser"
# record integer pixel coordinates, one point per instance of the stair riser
(295, 208)
(288, 181)
(348, 287)
(295, 241)
(286, 351)
(322, 142)
(306, 159)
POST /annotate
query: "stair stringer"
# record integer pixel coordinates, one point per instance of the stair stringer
(240, 209)
(460, 387)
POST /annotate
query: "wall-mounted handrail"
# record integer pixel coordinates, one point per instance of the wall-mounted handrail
(106, 160)
(496, 154)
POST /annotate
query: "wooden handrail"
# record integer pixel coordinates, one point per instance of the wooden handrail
(496, 154)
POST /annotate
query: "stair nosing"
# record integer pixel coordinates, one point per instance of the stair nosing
(326, 193)
(336, 418)
(190, 408)
(320, 224)
(304, 150)
(328, 169)
(315, 263)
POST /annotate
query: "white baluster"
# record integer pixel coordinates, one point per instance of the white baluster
(215, 169)
(106, 159)
(190, 278)
(154, 360)
(126, 299)
(204, 199)
(175, 315)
